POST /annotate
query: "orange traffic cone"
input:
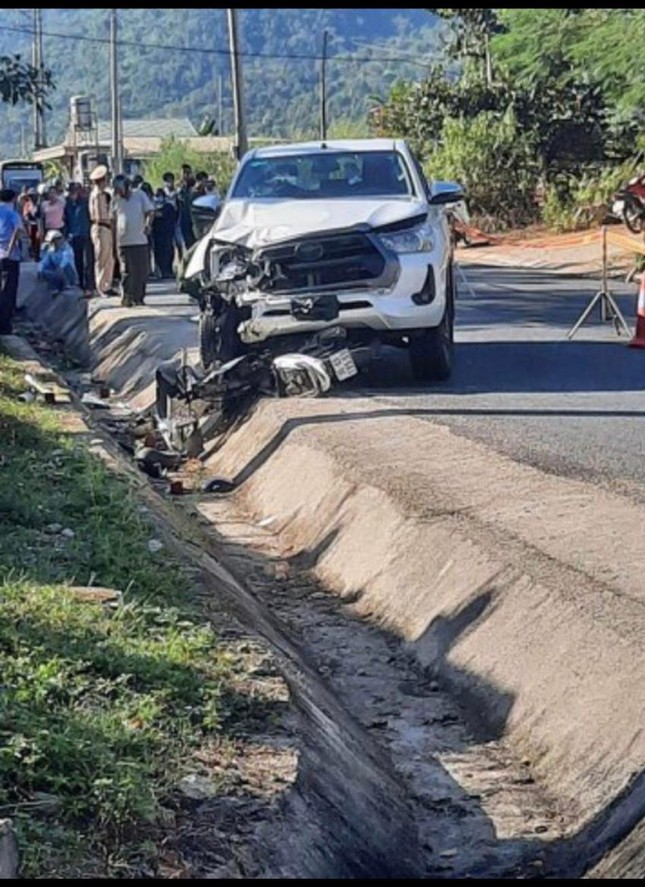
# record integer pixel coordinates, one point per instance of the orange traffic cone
(639, 337)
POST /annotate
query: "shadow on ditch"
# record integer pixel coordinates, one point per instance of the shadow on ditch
(289, 426)
(348, 794)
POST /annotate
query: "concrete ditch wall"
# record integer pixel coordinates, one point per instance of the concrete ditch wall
(62, 318)
(515, 587)
(522, 590)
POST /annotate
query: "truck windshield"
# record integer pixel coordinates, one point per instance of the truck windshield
(325, 175)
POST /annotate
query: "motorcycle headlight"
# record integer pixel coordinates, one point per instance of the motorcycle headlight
(414, 240)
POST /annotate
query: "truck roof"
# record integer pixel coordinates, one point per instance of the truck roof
(319, 147)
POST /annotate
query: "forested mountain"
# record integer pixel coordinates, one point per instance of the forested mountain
(171, 60)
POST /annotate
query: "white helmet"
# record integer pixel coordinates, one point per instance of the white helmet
(301, 375)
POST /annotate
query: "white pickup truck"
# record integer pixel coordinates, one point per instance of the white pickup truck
(338, 233)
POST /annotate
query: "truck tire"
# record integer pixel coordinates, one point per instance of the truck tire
(431, 351)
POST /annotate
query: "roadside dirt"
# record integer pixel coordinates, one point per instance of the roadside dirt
(576, 253)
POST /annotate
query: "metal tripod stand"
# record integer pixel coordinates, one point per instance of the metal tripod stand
(609, 310)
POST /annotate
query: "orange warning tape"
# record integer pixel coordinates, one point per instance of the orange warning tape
(562, 242)
(575, 239)
(628, 243)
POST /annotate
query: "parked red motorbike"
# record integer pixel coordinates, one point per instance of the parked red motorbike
(629, 204)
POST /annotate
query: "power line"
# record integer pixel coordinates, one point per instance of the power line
(379, 47)
(216, 51)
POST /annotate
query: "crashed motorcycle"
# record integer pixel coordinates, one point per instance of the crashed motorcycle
(628, 204)
(233, 375)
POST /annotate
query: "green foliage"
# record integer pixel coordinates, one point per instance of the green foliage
(493, 160)
(470, 33)
(347, 128)
(470, 26)
(174, 152)
(470, 37)
(575, 106)
(21, 82)
(588, 51)
(574, 201)
(102, 707)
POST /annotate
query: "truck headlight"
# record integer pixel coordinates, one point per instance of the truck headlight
(414, 240)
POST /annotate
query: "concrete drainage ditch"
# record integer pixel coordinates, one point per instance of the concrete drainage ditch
(391, 782)
(461, 639)
(395, 778)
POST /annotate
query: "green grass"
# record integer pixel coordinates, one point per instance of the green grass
(101, 709)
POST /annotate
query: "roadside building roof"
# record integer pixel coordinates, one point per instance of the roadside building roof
(153, 127)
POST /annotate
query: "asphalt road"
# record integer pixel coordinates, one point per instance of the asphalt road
(571, 407)
(575, 408)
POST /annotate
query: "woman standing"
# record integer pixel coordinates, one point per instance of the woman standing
(52, 211)
(33, 221)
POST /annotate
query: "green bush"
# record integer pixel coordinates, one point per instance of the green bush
(493, 161)
(174, 152)
(559, 209)
(577, 200)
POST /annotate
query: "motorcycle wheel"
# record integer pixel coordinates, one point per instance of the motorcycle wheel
(207, 338)
(218, 338)
(633, 216)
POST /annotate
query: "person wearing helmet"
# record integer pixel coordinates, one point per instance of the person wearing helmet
(133, 212)
(56, 266)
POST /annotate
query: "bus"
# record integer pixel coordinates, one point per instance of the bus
(15, 174)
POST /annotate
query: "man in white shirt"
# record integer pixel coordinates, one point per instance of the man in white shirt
(132, 211)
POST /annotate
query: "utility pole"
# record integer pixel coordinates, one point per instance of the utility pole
(241, 142)
(220, 117)
(41, 81)
(323, 88)
(117, 154)
(34, 64)
(488, 60)
(36, 61)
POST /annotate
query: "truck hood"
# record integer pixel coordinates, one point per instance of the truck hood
(256, 223)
